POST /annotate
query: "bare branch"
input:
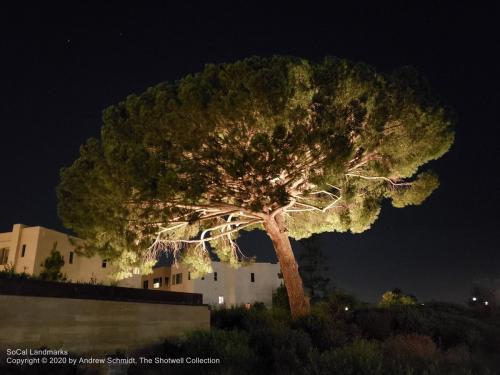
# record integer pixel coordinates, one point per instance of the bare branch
(224, 233)
(392, 182)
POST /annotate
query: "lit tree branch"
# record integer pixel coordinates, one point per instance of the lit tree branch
(392, 182)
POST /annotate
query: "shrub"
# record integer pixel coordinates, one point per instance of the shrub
(280, 298)
(327, 332)
(410, 347)
(232, 347)
(338, 301)
(400, 340)
(375, 323)
(361, 357)
(280, 350)
(52, 267)
(246, 319)
(9, 272)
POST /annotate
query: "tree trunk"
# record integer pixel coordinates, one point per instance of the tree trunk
(275, 228)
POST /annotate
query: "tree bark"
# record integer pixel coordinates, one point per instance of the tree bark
(275, 228)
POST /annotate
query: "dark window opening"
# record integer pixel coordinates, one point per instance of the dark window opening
(104, 263)
(215, 276)
(166, 281)
(23, 251)
(70, 257)
(252, 277)
(178, 278)
(189, 275)
(145, 284)
(4, 255)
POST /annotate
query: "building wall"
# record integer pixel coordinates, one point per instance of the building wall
(266, 277)
(235, 286)
(11, 242)
(39, 242)
(82, 269)
(29, 240)
(92, 326)
(4, 245)
(162, 273)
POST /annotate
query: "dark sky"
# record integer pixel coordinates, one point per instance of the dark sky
(61, 65)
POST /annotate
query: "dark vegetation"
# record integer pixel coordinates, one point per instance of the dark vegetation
(51, 269)
(340, 336)
(435, 338)
(52, 266)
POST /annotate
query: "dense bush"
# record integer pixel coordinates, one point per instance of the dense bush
(232, 347)
(431, 339)
(10, 273)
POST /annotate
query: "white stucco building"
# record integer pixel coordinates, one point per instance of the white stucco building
(225, 286)
(26, 248)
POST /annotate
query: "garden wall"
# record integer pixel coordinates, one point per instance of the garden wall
(93, 319)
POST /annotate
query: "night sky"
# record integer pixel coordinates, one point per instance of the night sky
(61, 65)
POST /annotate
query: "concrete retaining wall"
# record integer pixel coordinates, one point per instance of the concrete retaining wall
(93, 326)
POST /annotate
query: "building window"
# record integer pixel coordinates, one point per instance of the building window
(177, 279)
(4, 255)
(104, 263)
(136, 271)
(280, 275)
(157, 283)
(252, 277)
(23, 251)
(145, 284)
(189, 275)
(166, 281)
(215, 276)
(221, 300)
(203, 277)
(70, 257)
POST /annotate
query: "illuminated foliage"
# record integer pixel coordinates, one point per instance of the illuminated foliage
(396, 297)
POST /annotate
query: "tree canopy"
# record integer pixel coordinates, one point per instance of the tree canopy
(318, 145)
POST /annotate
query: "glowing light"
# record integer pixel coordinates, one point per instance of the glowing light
(346, 308)
(486, 303)
(156, 285)
(221, 300)
(474, 298)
